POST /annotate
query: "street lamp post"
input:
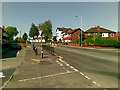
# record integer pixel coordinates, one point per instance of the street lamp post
(81, 30)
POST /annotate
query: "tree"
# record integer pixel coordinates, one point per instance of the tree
(25, 36)
(33, 31)
(12, 32)
(47, 29)
(54, 38)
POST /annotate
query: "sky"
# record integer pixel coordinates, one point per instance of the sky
(61, 14)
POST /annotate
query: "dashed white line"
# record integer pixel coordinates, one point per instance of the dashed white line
(67, 64)
(76, 70)
(98, 85)
(81, 73)
(61, 64)
(45, 76)
(94, 82)
(71, 67)
(87, 77)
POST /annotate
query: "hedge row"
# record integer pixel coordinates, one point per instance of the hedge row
(99, 41)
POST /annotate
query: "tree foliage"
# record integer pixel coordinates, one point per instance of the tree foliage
(25, 36)
(12, 32)
(47, 29)
(33, 31)
(97, 40)
(19, 40)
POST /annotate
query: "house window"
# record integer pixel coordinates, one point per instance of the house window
(95, 33)
(104, 34)
(89, 34)
(112, 34)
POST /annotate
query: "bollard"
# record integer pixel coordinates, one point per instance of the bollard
(42, 53)
(36, 51)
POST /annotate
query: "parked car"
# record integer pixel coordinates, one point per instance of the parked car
(15, 46)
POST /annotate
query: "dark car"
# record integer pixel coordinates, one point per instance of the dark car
(15, 46)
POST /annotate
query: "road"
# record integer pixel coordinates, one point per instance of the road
(100, 65)
(70, 68)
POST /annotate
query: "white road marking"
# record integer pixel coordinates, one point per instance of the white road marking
(71, 67)
(98, 85)
(94, 82)
(57, 61)
(67, 64)
(87, 77)
(61, 64)
(46, 76)
(81, 73)
(71, 71)
(1, 75)
(68, 71)
(34, 78)
(76, 70)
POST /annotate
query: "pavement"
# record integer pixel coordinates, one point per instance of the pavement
(49, 72)
(9, 65)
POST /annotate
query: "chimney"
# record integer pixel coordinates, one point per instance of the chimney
(98, 27)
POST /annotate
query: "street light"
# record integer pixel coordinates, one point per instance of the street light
(81, 29)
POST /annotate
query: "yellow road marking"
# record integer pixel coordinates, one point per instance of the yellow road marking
(60, 57)
(35, 59)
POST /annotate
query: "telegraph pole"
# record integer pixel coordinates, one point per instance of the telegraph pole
(81, 31)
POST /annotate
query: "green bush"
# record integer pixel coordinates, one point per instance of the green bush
(97, 40)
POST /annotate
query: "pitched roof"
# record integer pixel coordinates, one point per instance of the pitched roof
(63, 29)
(74, 31)
(98, 30)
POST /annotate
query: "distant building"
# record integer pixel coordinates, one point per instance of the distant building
(67, 36)
(38, 40)
(104, 32)
(75, 34)
(118, 35)
(4, 36)
(60, 32)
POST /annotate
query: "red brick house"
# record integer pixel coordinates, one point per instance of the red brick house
(118, 34)
(75, 34)
(4, 36)
(104, 32)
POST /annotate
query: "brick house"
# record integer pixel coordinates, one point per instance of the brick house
(4, 36)
(75, 34)
(104, 32)
(118, 34)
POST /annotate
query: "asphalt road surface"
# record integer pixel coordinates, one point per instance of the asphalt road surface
(101, 65)
(70, 68)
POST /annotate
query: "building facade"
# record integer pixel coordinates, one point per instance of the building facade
(105, 33)
(60, 32)
(4, 36)
(75, 34)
